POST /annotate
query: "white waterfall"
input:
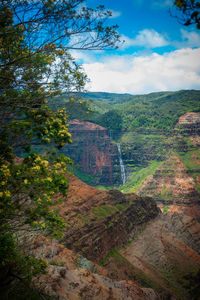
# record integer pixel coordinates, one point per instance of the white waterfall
(123, 174)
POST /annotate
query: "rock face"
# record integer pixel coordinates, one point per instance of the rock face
(171, 184)
(176, 182)
(97, 221)
(93, 152)
(72, 277)
(142, 146)
(168, 251)
(100, 221)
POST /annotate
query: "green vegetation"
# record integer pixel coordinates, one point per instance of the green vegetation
(82, 176)
(159, 110)
(133, 273)
(104, 210)
(165, 209)
(107, 210)
(156, 110)
(36, 66)
(190, 159)
(113, 253)
(111, 120)
(137, 178)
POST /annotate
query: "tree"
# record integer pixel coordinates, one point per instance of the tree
(189, 12)
(35, 64)
(111, 120)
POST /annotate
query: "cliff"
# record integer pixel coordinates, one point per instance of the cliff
(133, 241)
(72, 277)
(93, 153)
(176, 182)
(144, 253)
(98, 221)
(168, 253)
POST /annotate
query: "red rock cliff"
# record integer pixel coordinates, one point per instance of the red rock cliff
(92, 151)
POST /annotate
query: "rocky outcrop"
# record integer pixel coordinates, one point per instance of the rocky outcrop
(72, 277)
(82, 284)
(99, 221)
(93, 152)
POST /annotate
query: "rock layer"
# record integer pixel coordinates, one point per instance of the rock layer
(168, 252)
(99, 221)
(93, 152)
(176, 181)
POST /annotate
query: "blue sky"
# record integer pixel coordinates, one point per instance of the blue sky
(158, 54)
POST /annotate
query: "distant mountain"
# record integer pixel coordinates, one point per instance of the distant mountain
(107, 97)
(156, 110)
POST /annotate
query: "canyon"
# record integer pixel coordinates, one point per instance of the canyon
(118, 246)
(132, 227)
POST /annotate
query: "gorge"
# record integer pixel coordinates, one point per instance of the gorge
(131, 215)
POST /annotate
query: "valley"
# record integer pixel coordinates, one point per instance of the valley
(132, 212)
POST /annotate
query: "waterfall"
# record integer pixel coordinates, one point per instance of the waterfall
(122, 167)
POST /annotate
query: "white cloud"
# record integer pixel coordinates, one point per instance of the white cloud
(143, 74)
(148, 38)
(189, 39)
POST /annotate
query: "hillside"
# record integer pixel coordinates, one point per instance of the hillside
(155, 110)
(142, 125)
(117, 247)
(174, 183)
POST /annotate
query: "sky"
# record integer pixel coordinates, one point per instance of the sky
(158, 53)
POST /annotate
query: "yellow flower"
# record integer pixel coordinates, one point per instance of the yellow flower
(35, 222)
(25, 181)
(49, 179)
(36, 168)
(45, 163)
(3, 183)
(39, 201)
(47, 140)
(43, 225)
(38, 159)
(1, 194)
(7, 194)
(58, 166)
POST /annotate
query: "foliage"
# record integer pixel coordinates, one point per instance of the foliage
(137, 178)
(35, 65)
(165, 209)
(159, 111)
(104, 210)
(190, 12)
(111, 120)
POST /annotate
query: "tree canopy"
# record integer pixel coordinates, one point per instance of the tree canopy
(189, 12)
(35, 64)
